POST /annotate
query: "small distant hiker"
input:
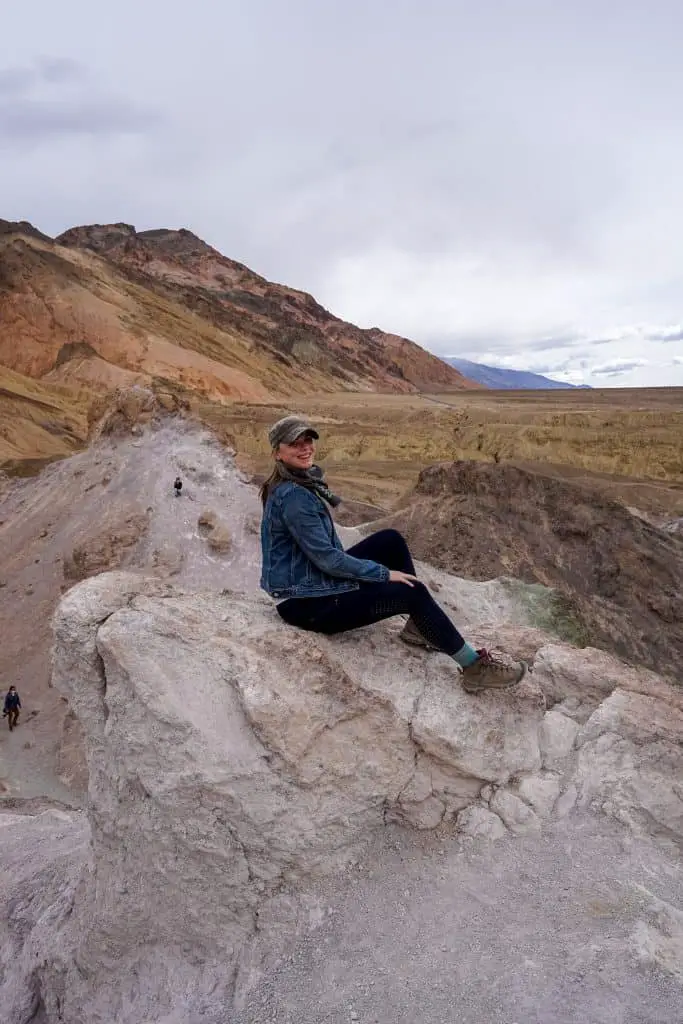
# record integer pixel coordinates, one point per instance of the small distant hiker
(12, 706)
(321, 587)
(177, 486)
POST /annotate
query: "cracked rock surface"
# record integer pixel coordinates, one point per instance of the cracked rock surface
(233, 760)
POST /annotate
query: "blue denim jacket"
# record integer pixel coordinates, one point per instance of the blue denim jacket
(302, 554)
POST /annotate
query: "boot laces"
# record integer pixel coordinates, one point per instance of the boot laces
(490, 661)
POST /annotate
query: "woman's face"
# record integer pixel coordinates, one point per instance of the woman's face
(299, 455)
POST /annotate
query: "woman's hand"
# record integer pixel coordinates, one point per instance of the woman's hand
(402, 577)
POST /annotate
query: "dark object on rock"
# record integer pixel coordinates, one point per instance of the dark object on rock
(177, 486)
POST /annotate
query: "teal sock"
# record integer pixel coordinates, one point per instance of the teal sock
(465, 656)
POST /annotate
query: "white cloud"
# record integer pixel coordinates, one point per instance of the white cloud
(673, 333)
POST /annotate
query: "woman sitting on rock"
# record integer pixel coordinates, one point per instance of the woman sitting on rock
(323, 588)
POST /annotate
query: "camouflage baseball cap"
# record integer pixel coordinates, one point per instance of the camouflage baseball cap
(287, 430)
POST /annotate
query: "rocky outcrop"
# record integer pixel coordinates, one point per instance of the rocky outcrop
(22, 227)
(43, 858)
(630, 762)
(281, 719)
(617, 576)
(105, 549)
(231, 759)
(234, 761)
(216, 532)
(130, 409)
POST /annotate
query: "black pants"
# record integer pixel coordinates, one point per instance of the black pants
(375, 601)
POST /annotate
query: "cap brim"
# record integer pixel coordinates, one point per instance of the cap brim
(307, 432)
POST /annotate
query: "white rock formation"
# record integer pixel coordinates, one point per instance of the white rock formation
(558, 733)
(43, 858)
(630, 762)
(232, 758)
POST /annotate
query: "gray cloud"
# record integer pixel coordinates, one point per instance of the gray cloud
(558, 367)
(44, 70)
(616, 369)
(504, 345)
(55, 98)
(39, 120)
(60, 69)
(16, 80)
(670, 334)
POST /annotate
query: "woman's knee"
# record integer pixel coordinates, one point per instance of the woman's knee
(391, 537)
(420, 594)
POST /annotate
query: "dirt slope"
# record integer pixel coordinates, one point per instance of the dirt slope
(111, 505)
(621, 575)
(39, 420)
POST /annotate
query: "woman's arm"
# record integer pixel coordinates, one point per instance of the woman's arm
(301, 515)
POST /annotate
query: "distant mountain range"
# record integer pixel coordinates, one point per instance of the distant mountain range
(505, 380)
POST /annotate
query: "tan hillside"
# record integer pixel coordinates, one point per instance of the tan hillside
(39, 421)
(280, 323)
(75, 317)
(102, 307)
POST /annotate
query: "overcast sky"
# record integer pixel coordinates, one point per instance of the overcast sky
(499, 180)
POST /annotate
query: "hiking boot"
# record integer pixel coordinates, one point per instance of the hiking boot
(490, 673)
(410, 634)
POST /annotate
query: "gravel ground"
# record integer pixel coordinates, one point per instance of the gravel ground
(562, 928)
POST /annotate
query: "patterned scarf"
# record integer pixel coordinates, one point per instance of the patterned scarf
(312, 479)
